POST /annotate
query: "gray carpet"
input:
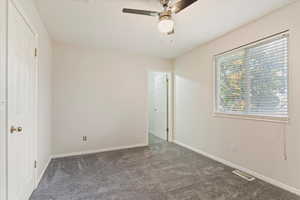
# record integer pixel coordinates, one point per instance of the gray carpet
(162, 171)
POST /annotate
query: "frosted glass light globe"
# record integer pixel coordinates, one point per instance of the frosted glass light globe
(166, 25)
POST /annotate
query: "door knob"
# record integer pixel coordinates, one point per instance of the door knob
(13, 129)
(19, 129)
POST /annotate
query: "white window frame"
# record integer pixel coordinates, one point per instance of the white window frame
(266, 118)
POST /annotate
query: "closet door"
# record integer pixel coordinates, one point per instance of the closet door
(21, 106)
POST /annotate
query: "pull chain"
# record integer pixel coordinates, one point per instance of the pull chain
(285, 156)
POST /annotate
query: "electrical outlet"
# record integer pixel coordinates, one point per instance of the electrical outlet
(84, 138)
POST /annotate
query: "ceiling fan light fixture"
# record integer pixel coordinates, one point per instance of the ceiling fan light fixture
(170, 7)
(166, 24)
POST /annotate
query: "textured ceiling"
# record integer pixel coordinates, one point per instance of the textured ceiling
(101, 24)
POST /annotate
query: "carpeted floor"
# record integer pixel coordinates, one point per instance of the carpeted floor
(162, 171)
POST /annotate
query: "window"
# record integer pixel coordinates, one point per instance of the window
(253, 80)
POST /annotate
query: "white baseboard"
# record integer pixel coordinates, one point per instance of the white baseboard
(98, 151)
(43, 171)
(235, 166)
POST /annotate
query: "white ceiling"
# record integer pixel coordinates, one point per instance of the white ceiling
(101, 24)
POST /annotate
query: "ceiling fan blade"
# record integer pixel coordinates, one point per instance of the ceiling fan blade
(140, 12)
(180, 5)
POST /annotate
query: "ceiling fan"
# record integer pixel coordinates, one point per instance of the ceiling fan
(166, 23)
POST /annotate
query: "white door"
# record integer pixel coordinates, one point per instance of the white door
(21, 106)
(158, 122)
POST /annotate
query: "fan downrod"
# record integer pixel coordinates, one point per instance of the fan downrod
(165, 3)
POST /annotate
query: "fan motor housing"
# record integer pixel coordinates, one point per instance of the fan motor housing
(167, 14)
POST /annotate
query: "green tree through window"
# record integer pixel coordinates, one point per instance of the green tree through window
(254, 80)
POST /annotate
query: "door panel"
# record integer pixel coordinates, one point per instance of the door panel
(21, 106)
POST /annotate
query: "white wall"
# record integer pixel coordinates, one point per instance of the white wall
(102, 95)
(157, 102)
(44, 85)
(255, 145)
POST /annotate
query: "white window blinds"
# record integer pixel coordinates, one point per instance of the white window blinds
(253, 80)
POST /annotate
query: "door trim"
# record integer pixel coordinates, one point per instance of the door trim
(3, 108)
(170, 109)
(169, 117)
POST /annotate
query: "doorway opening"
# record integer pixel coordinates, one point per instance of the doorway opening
(158, 107)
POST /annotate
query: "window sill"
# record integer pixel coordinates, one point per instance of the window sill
(272, 119)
